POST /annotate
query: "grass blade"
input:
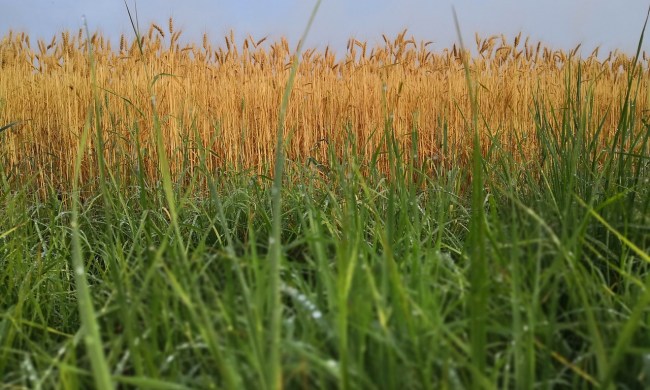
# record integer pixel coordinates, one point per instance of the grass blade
(275, 241)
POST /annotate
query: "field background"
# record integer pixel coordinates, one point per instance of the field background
(225, 97)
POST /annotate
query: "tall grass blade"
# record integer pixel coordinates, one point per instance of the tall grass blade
(275, 241)
(90, 327)
(476, 251)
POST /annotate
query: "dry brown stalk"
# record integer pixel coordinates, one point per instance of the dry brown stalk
(52, 87)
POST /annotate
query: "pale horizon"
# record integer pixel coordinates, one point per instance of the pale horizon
(558, 24)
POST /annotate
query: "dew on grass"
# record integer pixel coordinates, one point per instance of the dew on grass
(168, 360)
(332, 365)
(28, 366)
(121, 365)
(303, 301)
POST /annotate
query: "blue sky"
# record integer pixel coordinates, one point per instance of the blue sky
(560, 23)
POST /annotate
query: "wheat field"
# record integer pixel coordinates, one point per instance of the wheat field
(226, 97)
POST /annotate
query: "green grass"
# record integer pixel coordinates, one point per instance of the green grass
(499, 274)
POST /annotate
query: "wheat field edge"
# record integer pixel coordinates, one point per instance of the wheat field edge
(226, 97)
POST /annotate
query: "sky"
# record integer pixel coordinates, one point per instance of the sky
(562, 24)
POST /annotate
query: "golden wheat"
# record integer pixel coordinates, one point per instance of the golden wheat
(227, 99)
